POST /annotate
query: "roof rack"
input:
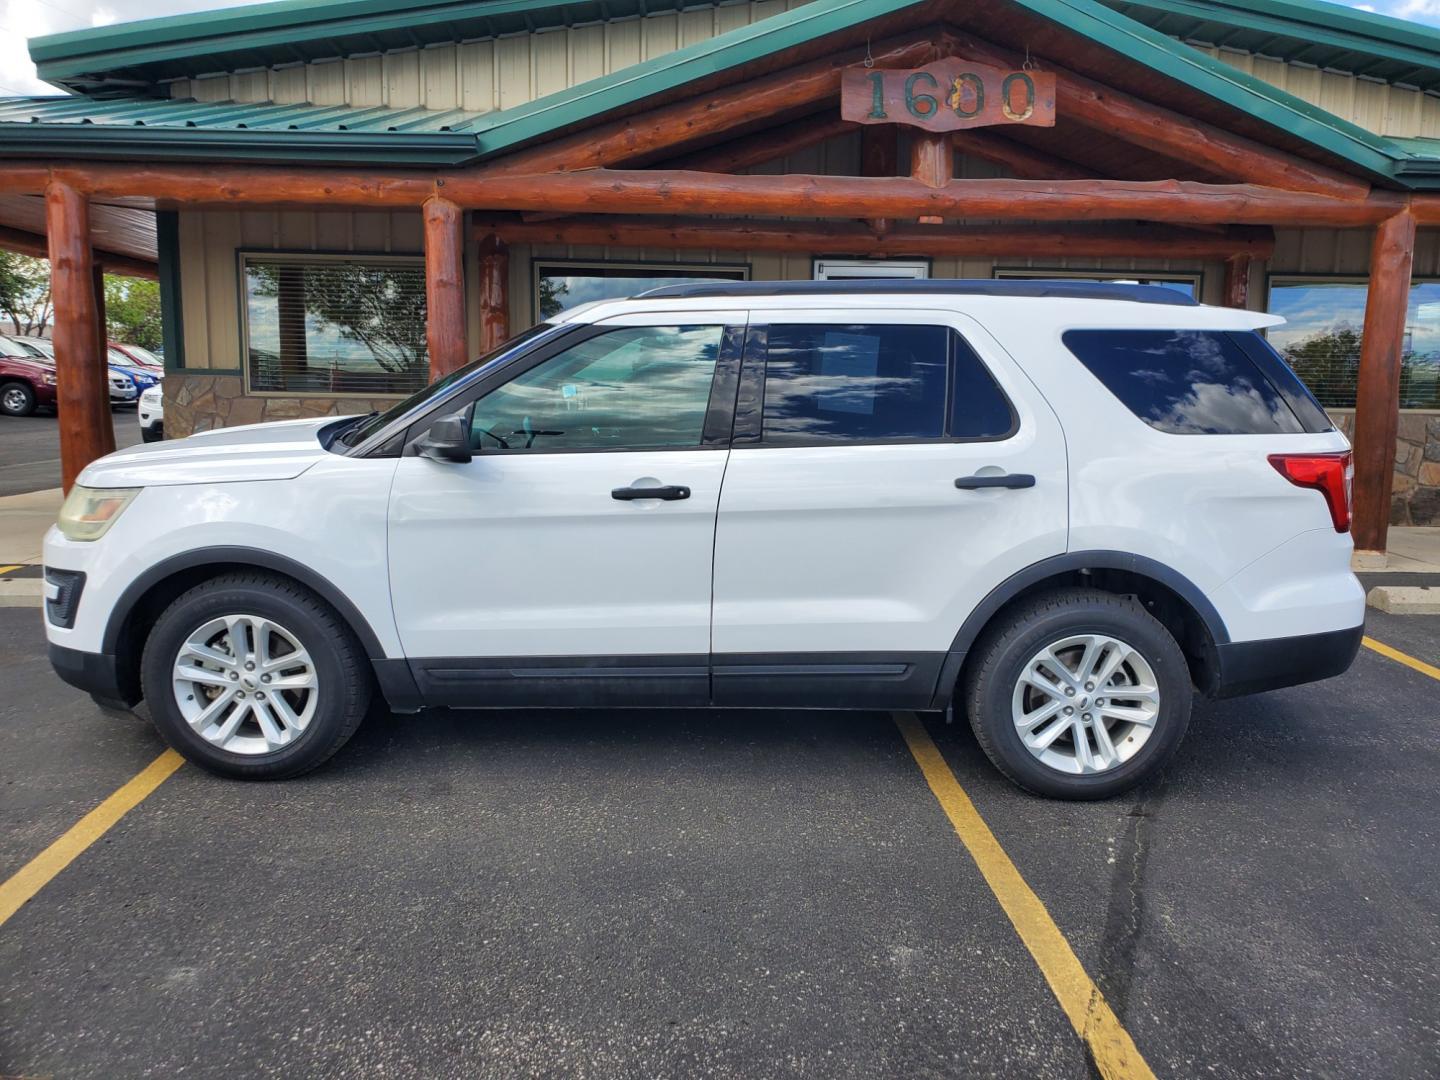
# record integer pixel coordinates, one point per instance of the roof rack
(1034, 287)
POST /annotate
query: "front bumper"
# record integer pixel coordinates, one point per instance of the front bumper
(1248, 667)
(98, 674)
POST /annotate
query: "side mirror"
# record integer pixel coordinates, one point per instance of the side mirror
(447, 440)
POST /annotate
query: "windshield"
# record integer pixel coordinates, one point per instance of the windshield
(144, 356)
(376, 421)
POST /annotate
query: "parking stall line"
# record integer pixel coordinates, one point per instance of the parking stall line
(7, 569)
(1402, 658)
(41, 870)
(1113, 1051)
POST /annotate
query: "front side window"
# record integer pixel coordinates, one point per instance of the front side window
(335, 326)
(1185, 382)
(1322, 333)
(630, 388)
(876, 383)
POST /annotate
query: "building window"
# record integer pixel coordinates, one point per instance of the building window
(870, 269)
(563, 285)
(334, 325)
(1189, 284)
(1321, 338)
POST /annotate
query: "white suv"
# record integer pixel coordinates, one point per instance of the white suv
(1058, 508)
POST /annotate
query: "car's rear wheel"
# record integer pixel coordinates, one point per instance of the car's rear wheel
(1079, 694)
(16, 399)
(254, 677)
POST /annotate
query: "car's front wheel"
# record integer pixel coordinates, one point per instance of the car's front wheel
(1078, 694)
(17, 399)
(254, 677)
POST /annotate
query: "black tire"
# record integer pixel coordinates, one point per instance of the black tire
(1006, 647)
(344, 673)
(17, 398)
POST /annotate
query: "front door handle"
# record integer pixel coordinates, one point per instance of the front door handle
(1005, 480)
(668, 492)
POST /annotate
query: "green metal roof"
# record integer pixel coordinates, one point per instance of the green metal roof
(170, 128)
(290, 31)
(1302, 31)
(502, 131)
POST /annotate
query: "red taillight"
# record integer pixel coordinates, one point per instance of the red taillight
(1329, 474)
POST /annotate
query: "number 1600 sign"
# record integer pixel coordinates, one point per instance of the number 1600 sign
(948, 95)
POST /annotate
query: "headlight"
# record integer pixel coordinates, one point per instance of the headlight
(151, 396)
(48, 378)
(89, 512)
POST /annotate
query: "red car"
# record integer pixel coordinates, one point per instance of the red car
(26, 383)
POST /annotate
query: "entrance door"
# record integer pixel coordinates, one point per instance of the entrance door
(900, 468)
(569, 562)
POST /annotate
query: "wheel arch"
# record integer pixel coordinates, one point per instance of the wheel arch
(149, 594)
(1186, 610)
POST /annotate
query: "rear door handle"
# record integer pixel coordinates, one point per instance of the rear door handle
(1007, 480)
(668, 492)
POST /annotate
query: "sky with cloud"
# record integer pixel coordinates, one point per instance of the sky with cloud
(21, 20)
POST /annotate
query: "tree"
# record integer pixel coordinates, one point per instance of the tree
(132, 311)
(25, 292)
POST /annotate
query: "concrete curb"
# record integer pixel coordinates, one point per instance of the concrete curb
(1405, 599)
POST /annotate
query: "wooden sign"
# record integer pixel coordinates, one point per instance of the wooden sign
(948, 95)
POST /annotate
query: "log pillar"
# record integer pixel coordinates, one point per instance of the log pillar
(879, 156)
(932, 162)
(444, 286)
(1237, 281)
(494, 293)
(1377, 394)
(82, 382)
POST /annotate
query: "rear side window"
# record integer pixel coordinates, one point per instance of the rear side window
(876, 383)
(1186, 382)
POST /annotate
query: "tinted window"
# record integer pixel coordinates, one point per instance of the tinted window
(978, 408)
(837, 383)
(625, 389)
(1185, 382)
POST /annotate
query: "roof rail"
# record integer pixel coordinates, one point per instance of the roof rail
(1034, 287)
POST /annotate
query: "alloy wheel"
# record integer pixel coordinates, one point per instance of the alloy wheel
(1086, 704)
(245, 684)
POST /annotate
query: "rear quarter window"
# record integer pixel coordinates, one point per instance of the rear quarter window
(1197, 382)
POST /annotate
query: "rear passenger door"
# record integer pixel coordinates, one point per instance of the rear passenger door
(847, 555)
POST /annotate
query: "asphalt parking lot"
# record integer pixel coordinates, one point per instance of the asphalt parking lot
(30, 449)
(726, 894)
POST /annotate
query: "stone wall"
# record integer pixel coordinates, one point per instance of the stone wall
(199, 402)
(1415, 497)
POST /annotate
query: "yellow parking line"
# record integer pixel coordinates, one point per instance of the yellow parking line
(1402, 658)
(1110, 1044)
(7, 569)
(39, 871)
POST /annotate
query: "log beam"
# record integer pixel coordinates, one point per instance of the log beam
(1237, 281)
(1102, 108)
(495, 292)
(81, 379)
(444, 286)
(24, 242)
(1377, 394)
(670, 192)
(100, 414)
(766, 146)
(663, 129)
(846, 238)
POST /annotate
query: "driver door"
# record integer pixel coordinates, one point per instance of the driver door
(570, 561)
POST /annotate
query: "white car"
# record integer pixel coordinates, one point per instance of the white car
(151, 414)
(1060, 509)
